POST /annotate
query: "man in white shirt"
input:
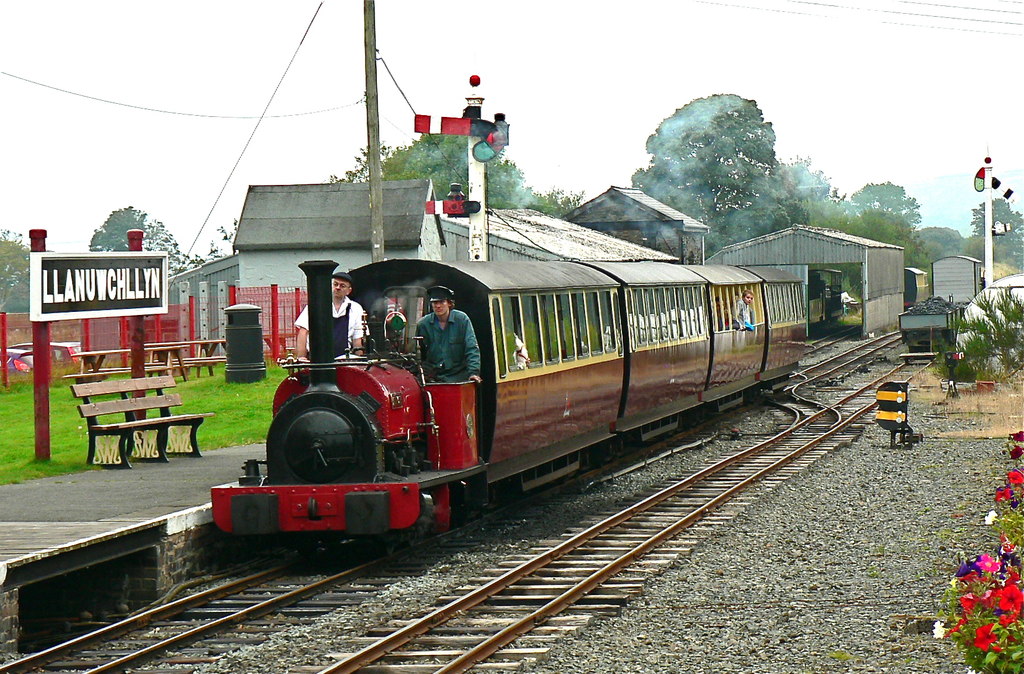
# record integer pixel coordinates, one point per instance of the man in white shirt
(348, 320)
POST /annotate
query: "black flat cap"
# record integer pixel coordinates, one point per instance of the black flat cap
(440, 294)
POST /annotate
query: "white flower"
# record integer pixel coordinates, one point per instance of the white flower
(939, 630)
(991, 517)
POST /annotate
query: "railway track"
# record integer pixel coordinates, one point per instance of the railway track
(512, 616)
(535, 600)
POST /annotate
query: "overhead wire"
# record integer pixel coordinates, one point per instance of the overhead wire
(204, 115)
(967, 24)
(231, 173)
(451, 167)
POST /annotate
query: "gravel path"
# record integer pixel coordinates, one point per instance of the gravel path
(840, 569)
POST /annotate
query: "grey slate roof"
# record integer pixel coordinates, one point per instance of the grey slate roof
(565, 239)
(331, 215)
(626, 204)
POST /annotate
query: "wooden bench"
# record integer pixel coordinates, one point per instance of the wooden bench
(145, 438)
(104, 372)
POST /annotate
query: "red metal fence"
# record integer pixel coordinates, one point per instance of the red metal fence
(279, 309)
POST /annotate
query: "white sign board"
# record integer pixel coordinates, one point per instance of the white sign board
(95, 285)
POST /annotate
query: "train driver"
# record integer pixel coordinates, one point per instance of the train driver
(449, 347)
(743, 316)
(348, 320)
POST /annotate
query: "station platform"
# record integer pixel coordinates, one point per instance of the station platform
(50, 524)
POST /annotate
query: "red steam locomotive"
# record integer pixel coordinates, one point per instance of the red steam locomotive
(575, 357)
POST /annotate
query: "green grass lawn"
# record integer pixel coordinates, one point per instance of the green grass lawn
(242, 417)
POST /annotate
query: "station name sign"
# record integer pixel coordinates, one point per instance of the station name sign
(95, 285)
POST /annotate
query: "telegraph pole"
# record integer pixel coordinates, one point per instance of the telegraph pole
(373, 134)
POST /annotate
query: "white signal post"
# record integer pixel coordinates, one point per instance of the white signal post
(989, 223)
(477, 189)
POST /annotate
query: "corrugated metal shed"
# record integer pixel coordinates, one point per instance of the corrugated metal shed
(958, 277)
(881, 264)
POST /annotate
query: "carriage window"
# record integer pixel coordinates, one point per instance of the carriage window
(516, 353)
(565, 321)
(662, 312)
(550, 318)
(672, 304)
(500, 331)
(593, 323)
(579, 309)
(653, 314)
(609, 326)
(700, 299)
(532, 330)
(720, 309)
(643, 310)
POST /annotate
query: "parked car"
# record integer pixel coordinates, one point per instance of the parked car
(18, 360)
(63, 352)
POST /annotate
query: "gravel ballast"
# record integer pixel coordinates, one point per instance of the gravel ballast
(839, 569)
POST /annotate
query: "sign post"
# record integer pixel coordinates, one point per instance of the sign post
(88, 285)
(40, 365)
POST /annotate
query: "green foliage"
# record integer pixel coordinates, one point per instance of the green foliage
(887, 198)
(1007, 248)
(941, 242)
(714, 159)
(13, 272)
(991, 341)
(242, 417)
(444, 160)
(112, 235)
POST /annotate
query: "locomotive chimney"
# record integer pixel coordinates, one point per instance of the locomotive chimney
(321, 324)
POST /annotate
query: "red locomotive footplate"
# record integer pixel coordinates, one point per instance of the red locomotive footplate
(252, 510)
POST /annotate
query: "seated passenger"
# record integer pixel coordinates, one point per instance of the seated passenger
(522, 355)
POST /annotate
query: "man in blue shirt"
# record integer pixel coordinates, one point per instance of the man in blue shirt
(449, 347)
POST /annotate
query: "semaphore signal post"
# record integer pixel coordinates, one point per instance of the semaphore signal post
(487, 140)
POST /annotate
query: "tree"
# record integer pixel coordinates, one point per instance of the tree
(714, 159)
(888, 198)
(444, 160)
(14, 282)
(941, 241)
(990, 338)
(1006, 248)
(112, 235)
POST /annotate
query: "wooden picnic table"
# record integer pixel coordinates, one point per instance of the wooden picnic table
(160, 358)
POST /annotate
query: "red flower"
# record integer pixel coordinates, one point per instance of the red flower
(1016, 451)
(1015, 476)
(984, 639)
(1018, 436)
(1011, 599)
(967, 602)
(1003, 494)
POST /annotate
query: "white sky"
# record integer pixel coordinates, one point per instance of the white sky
(871, 91)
